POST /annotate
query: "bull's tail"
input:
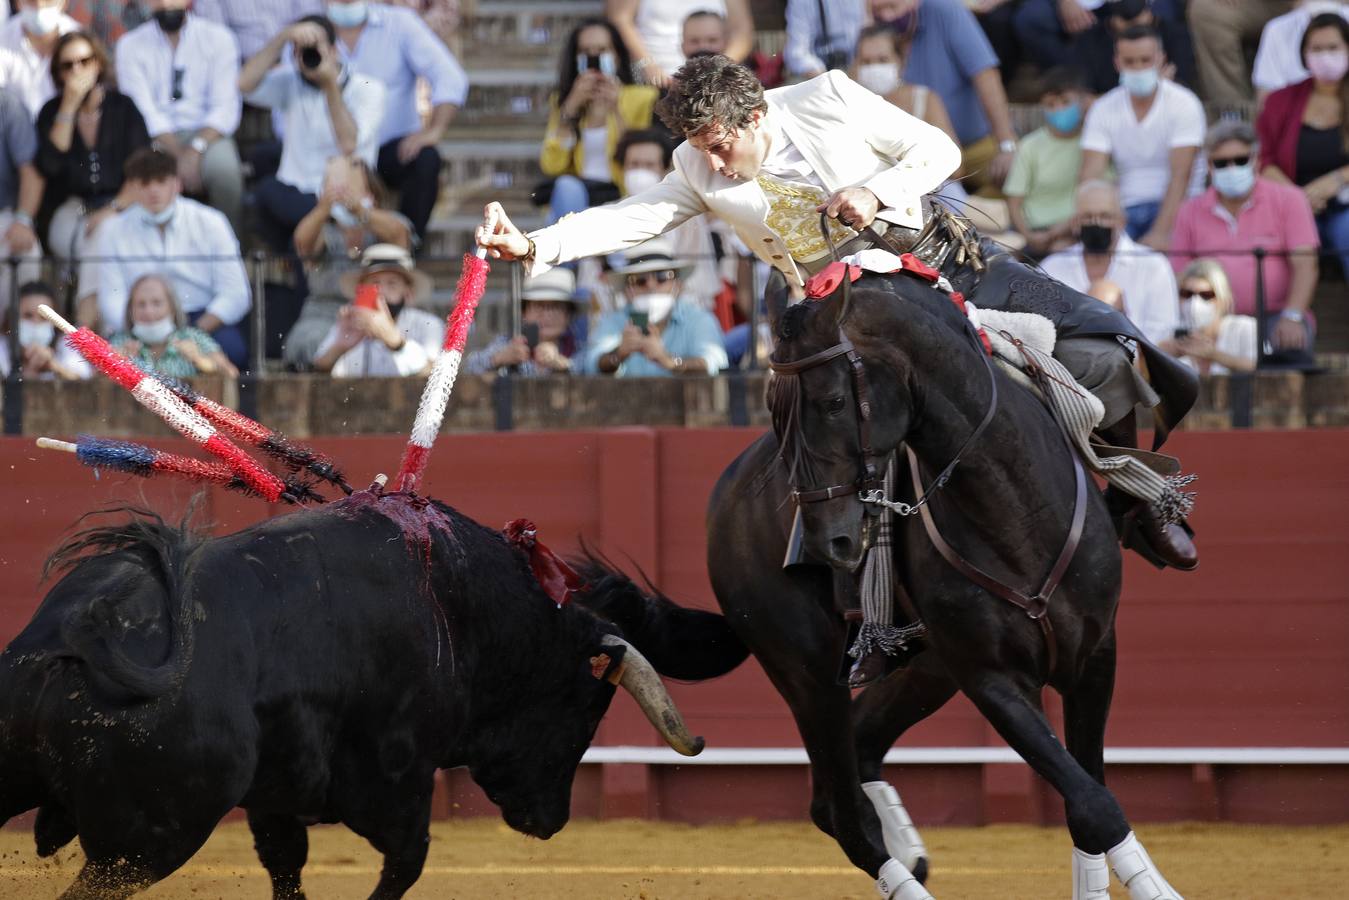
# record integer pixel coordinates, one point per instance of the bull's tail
(90, 631)
(686, 644)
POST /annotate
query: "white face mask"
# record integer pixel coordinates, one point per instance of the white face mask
(163, 216)
(43, 20)
(156, 332)
(879, 78)
(656, 306)
(36, 334)
(348, 15)
(1202, 313)
(637, 180)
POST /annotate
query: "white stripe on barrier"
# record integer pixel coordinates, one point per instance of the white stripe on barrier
(796, 756)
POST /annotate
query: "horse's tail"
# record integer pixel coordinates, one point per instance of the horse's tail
(685, 644)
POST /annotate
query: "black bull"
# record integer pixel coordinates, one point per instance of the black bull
(317, 667)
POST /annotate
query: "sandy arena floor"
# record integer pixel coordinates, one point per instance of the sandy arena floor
(601, 860)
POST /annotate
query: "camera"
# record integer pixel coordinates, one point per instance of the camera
(310, 57)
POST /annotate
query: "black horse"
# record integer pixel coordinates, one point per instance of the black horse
(1006, 509)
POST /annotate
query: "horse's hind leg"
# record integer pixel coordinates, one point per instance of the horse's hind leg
(881, 714)
(1086, 706)
(1095, 820)
(282, 844)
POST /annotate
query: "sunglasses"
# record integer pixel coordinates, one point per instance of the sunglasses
(177, 85)
(1233, 161)
(1203, 295)
(69, 65)
(642, 278)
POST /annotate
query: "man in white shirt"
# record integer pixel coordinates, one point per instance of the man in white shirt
(26, 44)
(394, 46)
(815, 45)
(185, 241)
(1278, 61)
(1152, 129)
(393, 339)
(328, 112)
(1105, 254)
(183, 72)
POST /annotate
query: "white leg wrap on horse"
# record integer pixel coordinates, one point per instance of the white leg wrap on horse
(1136, 870)
(895, 882)
(1091, 876)
(902, 840)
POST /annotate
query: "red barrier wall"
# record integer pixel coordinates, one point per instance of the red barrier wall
(1252, 650)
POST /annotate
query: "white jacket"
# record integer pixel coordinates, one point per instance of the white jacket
(849, 135)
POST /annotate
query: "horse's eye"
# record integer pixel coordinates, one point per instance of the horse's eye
(834, 406)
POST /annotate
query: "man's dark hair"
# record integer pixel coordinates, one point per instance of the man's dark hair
(710, 91)
(150, 164)
(36, 289)
(1139, 33)
(323, 22)
(635, 136)
(1062, 80)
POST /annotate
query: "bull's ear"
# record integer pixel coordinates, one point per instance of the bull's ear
(607, 664)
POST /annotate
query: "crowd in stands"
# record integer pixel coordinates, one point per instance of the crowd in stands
(1177, 138)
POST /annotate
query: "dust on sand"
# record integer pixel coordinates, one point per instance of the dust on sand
(480, 858)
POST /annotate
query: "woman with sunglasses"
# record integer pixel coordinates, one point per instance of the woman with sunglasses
(1212, 338)
(85, 134)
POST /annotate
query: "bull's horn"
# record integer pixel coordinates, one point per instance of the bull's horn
(640, 679)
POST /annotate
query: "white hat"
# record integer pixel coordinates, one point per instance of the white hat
(387, 258)
(655, 255)
(557, 285)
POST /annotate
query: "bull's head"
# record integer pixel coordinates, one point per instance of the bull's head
(525, 757)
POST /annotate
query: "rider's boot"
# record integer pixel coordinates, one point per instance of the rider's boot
(1139, 527)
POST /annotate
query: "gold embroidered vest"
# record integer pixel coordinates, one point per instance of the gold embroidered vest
(792, 214)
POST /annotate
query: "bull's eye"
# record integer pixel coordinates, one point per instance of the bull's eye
(834, 406)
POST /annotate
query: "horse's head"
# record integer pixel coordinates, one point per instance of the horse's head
(840, 403)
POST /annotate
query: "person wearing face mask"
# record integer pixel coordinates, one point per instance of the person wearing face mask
(1304, 131)
(328, 113)
(1151, 129)
(597, 99)
(1212, 338)
(42, 354)
(189, 243)
(655, 335)
(1278, 61)
(651, 30)
(548, 343)
(27, 41)
(183, 73)
(822, 36)
(1243, 211)
(1042, 185)
(392, 339)
(157, 338)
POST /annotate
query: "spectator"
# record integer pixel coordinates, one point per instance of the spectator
(1221, 30)
(328, 113)
(656, 334)
(441, 16)
(183, 73)
(1212, 337)
(1105, 253)
(822, 36)
(394, 339)
(158, 339)
(41, 353)
(548, 344)
(997, 19)
(1278, 62)
(255, 22)
(877, 66)
(1304, 131)
(349, 218)
(1092, 50)
(596, 101)
(85, 136)
(1151, 128)
(26, 44)
(705, 34)
(20, 192)
(190, 244)
(1040, 188)
(948, 52)
(395, 47)
(652, 31)
(1242, 212)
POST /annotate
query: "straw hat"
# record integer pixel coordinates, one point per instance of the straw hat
(556, 285)
(387, 258)
(655, 255)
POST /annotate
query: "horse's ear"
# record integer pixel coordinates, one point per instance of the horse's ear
(777, 297)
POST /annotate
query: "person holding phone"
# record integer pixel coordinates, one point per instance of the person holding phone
(329, 112)
(381, 333)
(547, 343)
(596, 101)
(655, 334)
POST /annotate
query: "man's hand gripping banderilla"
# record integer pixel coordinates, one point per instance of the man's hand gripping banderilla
(499, 236)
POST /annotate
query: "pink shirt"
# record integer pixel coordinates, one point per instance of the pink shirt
(1276, 217)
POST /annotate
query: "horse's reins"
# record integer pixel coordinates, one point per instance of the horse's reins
(1035, 606)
